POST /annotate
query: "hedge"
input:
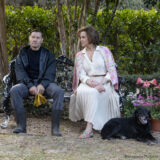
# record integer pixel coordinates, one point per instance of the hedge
(134, 36)
(21, 21)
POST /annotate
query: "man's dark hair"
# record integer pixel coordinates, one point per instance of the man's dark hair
(36, 31)
(92, 34)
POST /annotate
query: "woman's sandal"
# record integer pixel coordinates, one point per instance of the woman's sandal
(86, 134)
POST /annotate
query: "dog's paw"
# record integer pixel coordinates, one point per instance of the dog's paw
(123, 137)
(157, 141)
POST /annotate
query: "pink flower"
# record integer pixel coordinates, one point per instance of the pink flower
(154, 81)
(156, 98)
(141, 101)
(157, 103)
(140, 97)
(146, 84)
(139, 81)
(158, 86)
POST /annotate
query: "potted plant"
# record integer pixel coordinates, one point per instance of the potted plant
(147, 95)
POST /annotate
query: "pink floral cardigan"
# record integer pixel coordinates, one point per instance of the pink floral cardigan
(110, 65)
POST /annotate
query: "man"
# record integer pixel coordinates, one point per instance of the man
(35, 69)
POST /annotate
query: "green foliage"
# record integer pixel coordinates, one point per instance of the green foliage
(155, 112)
(132, 4)
(130, 80)
(21, 21)
(134, 38)
(129, 110)
(150, 3)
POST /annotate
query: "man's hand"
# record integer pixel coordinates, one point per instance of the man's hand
(33, 90)
(40, 89)
(100, 88)
(92, 83)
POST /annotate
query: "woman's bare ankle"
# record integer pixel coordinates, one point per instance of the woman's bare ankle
(89, 127)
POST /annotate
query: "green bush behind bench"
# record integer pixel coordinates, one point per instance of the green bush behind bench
(134, 36)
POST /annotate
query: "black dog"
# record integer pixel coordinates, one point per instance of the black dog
(137, 127)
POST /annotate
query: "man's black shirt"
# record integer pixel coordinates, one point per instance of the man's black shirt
(33, 60)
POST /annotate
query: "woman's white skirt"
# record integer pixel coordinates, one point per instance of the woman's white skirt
(93, 106)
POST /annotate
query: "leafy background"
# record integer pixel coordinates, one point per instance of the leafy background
(134, 36)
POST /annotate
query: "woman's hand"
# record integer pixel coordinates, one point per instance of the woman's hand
(100, 88)
(92, 83)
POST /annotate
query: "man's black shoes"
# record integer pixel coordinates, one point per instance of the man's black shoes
(19, 130)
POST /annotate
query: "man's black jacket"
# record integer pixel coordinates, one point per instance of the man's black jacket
(47, 68)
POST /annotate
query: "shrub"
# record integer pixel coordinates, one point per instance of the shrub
(21, 21)
(134, 38)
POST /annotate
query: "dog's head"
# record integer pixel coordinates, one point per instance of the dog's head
(142, 115)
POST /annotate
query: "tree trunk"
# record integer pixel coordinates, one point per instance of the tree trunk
(113, 13)
(69, 39)
(86, 5)
(3, 49)
(80, 16)
(72, 29)
(97, 3)
(82, 19)
(61, 28)
(110, 20)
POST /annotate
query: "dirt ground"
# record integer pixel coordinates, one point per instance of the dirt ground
(38, 144)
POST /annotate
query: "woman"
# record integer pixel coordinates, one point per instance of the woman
(95, 77)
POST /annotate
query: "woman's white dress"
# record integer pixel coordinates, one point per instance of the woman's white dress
(88, 103)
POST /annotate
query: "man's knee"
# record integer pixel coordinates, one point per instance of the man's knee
(59, 92)
(55, 91)
(17, 90)
(14, 90)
